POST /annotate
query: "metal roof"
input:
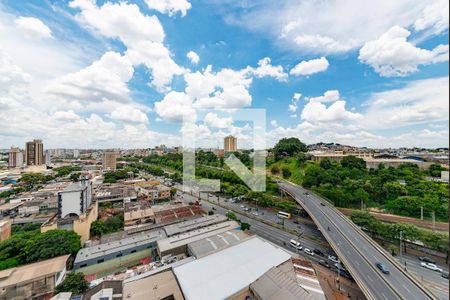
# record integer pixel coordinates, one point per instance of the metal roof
(217, 242)
(193, 224)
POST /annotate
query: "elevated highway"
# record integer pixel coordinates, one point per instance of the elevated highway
(358, 251)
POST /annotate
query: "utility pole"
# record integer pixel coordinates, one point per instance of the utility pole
(339, 274)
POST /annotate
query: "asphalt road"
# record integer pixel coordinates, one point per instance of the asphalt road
(358, 254)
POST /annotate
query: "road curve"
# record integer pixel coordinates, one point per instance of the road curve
(357, 251)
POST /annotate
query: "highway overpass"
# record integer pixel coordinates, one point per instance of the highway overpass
(358, 251)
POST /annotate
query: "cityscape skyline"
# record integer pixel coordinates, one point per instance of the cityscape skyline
(127, 82)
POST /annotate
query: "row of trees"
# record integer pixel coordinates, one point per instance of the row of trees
(409, 232)
(403, 190)
(31, 246)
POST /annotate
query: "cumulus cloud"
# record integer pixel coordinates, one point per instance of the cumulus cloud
(266, 69)
(328, 96)
(33, 27)
(142, 35)
(169, 7)
(213, 120)
(175, 106)
(292, 107)
(193, 57)
(318, 112)
(392, 55)
(105, 79)
(69, 115)
(309, 67)
(127, 113)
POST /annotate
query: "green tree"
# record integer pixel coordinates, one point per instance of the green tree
(274, 169)
(75, 177)
(286, 172)
(353, 162)
(289, 146)
(73, 282)
(325, 163)
(245, 226)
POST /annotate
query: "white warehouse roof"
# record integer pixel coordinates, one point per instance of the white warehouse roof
(222, 274)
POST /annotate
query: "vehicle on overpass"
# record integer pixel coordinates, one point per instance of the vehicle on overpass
(383, 268)
(431, 267)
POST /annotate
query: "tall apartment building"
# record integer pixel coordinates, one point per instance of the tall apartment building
(230, 144)
(109, 160)
(34, 153)
(15, 158)
(75, 199)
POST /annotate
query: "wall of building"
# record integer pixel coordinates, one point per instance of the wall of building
(69, 203)
(82, 225)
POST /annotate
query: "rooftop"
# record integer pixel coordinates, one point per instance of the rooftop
(158, 286)
(192, 236)
(74, 187)
(193, 224)
(217, 242)
(32, 271)
(119, 245)
(223, 274)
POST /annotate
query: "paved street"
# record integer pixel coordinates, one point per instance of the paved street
(359, 255)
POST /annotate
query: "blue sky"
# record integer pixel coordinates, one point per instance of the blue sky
(99, 74)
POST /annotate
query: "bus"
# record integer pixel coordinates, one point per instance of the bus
(284, 215)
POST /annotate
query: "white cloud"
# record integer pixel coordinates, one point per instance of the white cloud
(435, 17)
(105, 79)
(421, 101)
(392, 55)
(127, 113)
(213, 120)
(142, 35)
(193, 57)
(170, 7)
(175, 106)
(328, 96)
(318, 112)
(325, 27)
(266, 69)
(274, 123)
(297, 96)
(33, 27)
(69, 115)
(310, 67)
(225, 89)
(292, 107)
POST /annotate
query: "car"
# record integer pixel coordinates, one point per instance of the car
(242, 206)
(295, 244)
(431, 266)
(333, 258)
(295, 222)
(318, 252)
(345, 274)
(382, 268)
(321, 203)
(307, 251)
(213, 208)
(444, 275)
(426, 259)
(324, 263)
(255, 213)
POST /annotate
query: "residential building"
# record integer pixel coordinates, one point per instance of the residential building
(15, 158)
(75, 198)
(47, 158)
(34, 153)
(230, 144)
(33, 281)
(109, 160)
(76, 153)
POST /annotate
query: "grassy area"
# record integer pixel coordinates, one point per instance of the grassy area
(278, 168)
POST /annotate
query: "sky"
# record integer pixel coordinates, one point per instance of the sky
(125, 74)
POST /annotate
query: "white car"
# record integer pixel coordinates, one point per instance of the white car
(307, 251)
(432, 267)
(296, 245)
(255, 213)
(333, 258)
